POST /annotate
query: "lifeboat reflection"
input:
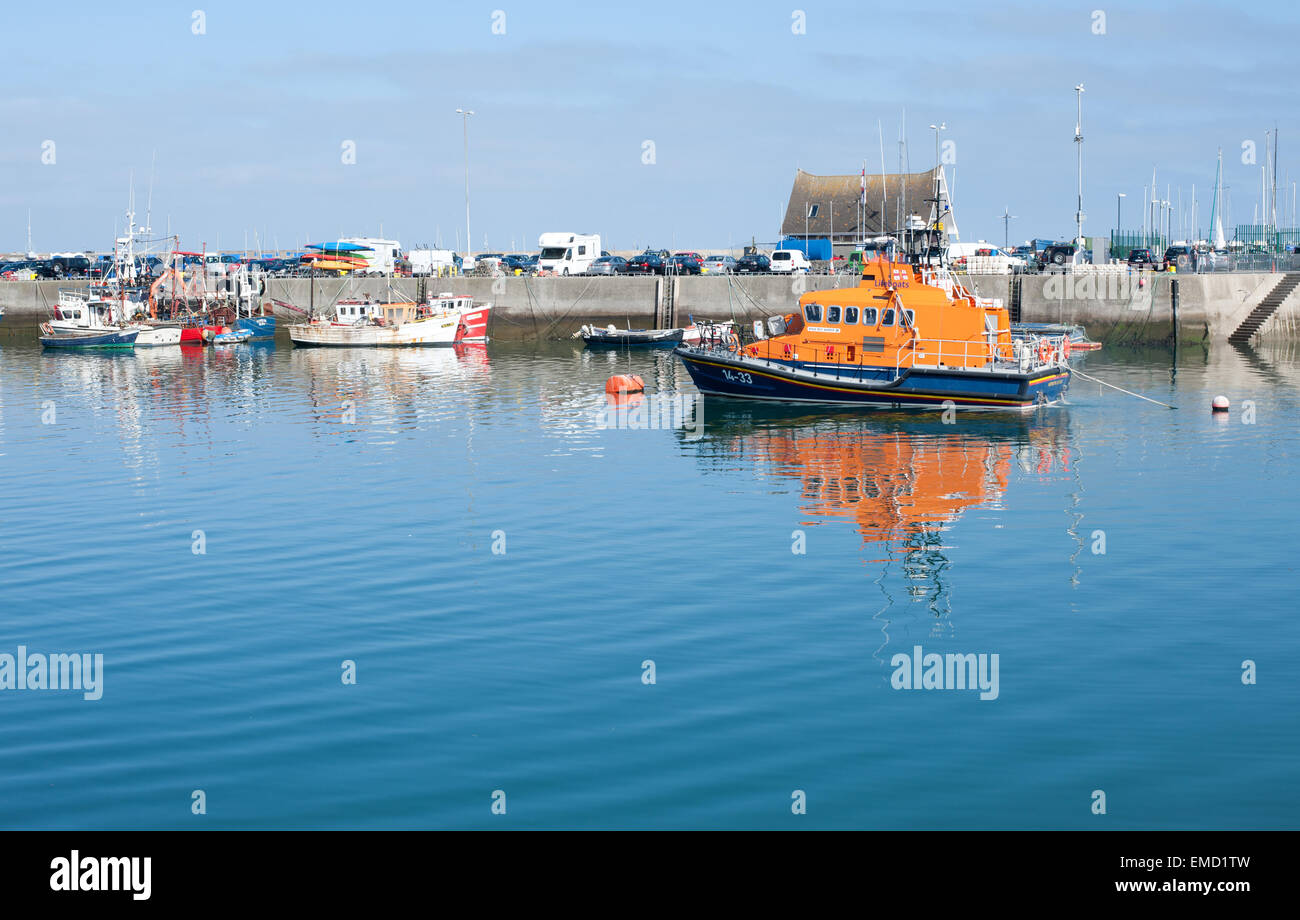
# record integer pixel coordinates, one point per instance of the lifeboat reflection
(903, 482)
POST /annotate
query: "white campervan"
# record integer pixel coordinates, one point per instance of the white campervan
(382, 257)
(567, 253)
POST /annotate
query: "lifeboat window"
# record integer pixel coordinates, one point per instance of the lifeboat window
(812, 312)
(889, 318)
(832, 314)
(911, 317)
(870, 316)
(851, 315)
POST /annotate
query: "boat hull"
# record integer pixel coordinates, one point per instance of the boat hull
(117, 338)
(156, 336)
(650, 338)
(260, 328)
(427, 332)
(722, 373)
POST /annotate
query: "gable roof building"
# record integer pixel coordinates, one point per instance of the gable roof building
(833, 207)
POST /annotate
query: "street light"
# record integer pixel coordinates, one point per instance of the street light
(941, 126)
(1007, 217)
(469, 240)
(1119, 221)
(1078, 141)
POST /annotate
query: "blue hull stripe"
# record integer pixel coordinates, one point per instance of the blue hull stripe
(923, 387)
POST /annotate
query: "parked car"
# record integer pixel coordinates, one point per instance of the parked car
(517, 262)
(684, 264)
(790, 260)
(1056, 254)
(608, 265)
(719, 265)
(1141, 258)
(754, 262)
(1180, 256)
(72, 266)
(648, 263)
(698, 259)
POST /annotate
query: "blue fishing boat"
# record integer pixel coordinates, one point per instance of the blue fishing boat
(98, 338)
(259, 328)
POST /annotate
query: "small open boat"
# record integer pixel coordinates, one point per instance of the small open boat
(95, 338)
(613, 337)
(233, 337)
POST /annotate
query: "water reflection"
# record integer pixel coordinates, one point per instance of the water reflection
(903, 481)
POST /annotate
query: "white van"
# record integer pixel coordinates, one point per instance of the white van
(567, 253)
(431, 261)
(790, 260)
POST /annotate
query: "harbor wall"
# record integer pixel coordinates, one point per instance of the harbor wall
(1118, 308)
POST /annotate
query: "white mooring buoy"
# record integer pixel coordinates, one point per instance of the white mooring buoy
(1220, 404)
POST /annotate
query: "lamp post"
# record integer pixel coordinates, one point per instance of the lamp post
(941, 126)
(1007, 217)
(1078, 140)
(469, 240)
(1119, 220)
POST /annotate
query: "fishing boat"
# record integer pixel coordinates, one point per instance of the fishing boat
(259, 328)
(909, 335)
(1078, 336)
(88, 338)
(443, 319)
(104, 311)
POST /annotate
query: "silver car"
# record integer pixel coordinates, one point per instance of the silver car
(608, 265)
(718, 265)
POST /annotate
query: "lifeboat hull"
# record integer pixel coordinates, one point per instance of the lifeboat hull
(721, 373)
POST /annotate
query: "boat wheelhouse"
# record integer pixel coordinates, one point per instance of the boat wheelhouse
(906, 335)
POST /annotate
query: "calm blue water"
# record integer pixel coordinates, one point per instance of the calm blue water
(348, 503)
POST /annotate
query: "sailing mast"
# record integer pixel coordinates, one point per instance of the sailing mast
(1216, 208)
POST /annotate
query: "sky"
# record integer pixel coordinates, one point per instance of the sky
(667, 124)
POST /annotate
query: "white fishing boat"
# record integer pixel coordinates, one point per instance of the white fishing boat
(91, 311)
(444, 319)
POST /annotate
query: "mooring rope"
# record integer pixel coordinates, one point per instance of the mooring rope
(1121, 389)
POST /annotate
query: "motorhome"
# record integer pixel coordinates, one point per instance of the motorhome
(567, 253)
(382, 255)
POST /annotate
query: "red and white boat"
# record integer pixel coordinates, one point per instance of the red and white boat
(443, 319)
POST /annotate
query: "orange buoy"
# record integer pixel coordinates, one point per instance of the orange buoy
(624, 383)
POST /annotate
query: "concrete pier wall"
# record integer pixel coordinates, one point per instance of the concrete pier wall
(1114, 308)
